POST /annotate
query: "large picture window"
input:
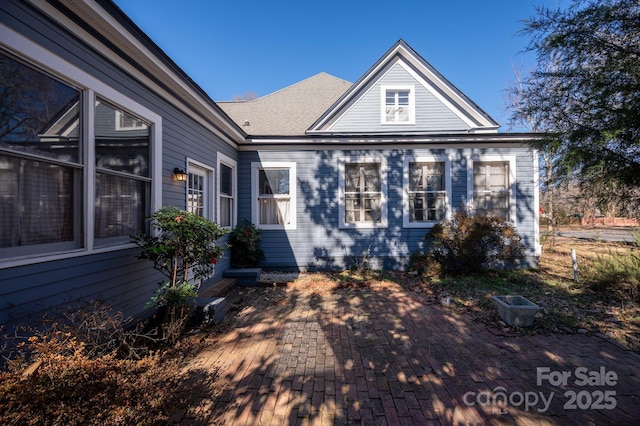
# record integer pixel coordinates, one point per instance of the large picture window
(274, 195)
(40, 163)
(51, 199)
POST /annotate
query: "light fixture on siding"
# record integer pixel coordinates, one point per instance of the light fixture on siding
(179, 175)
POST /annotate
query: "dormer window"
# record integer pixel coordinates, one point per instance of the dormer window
(398, 106)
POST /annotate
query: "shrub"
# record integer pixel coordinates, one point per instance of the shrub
(91, 371)
(469, 244)
(245, 249)
(422, 264)
(617, 274)
(185, 249)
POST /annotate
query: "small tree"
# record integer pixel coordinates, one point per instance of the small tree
(469, 244)
(185, 249)
(585, 90)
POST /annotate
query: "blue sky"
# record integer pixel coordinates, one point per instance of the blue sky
(231, 47)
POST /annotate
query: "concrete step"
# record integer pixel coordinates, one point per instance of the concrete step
(246, 276)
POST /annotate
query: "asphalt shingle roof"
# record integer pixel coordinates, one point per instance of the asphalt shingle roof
(289, 111)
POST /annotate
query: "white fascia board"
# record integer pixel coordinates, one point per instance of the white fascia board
(463, 140)
(406, 56)
(429, 87)
(445, 87)
(364, 94)
(353, 89)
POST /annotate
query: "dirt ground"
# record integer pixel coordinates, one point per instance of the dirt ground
(580, 310)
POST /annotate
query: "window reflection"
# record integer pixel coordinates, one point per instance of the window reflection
(40, 170)
(38, 114)
(122, 141)
(122, 199)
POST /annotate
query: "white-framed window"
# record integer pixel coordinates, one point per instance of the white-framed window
(427, 190)
(398, 104)
(490, 185)
(200, 188)
(227, 192)
(68, 181)
(362, 192)
(273, 188)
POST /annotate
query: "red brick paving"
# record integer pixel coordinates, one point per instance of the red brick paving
(392, 358)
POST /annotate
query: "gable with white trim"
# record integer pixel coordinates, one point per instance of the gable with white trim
(403, 94)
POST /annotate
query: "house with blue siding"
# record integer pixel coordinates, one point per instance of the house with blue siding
(98, 122)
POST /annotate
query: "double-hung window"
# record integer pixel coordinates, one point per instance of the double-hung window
(398, 105)
(427, 190)
(274, 195)
(226, 191)
(72, 176)
(427, 196)
(492, 178)
(363, 193)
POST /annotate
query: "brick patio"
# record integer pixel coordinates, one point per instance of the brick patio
(394, 358)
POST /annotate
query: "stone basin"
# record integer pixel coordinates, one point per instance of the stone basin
(515, 310)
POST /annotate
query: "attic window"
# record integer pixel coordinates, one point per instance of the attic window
(398, 105)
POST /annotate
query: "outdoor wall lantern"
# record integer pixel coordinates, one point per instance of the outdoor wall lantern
(179, 175)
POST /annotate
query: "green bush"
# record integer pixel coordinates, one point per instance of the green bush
(245, 245)
(469, 244)
(185, 249)
(617, 274)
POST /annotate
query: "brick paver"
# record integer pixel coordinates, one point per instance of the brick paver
(393, 358)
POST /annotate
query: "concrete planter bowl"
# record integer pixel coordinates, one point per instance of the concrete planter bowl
(517, 311)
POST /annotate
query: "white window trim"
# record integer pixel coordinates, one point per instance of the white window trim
(229, 162)
(511, 159)
(383, 104)
(210, 173)
(91, 87)
(536, 203)
(255, 168)
(383, 189)
(406, 222)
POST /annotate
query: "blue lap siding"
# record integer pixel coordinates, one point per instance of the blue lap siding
(319, 243)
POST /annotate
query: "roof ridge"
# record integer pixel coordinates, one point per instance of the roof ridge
(298, 83)
(244, 101)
